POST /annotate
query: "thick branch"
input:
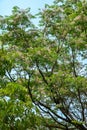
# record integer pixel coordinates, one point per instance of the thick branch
(29, 90)
(82, 107)
(48, 108)
(60, 125)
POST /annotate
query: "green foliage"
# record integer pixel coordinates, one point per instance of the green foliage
(43, 70)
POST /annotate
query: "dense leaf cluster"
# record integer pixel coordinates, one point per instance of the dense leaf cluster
(43, 70)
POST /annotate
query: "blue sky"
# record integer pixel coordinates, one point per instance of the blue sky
(6, 5)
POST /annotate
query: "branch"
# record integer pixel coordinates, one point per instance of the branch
(73, 64)
(52, 125)
(83, 115)
(29, 90)
(53, 67)
(9, 76)
(55, 63)
(41, 73)
(62, 126)
(48, 108)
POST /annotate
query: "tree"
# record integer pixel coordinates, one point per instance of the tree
(43, 70)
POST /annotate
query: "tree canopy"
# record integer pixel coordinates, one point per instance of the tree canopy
(43, 69)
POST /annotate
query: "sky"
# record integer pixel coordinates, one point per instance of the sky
(6, 5)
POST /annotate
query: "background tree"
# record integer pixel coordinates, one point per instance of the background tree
(43, 70)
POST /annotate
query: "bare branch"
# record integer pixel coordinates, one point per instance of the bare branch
(41, 73)
(9, 76)
(79, 96)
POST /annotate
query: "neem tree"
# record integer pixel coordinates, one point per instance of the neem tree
(43, 70)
